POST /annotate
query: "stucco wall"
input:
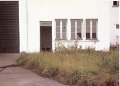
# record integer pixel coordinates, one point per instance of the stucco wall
(114, 33)
(50, 10)
(31, 12)
(23, 25)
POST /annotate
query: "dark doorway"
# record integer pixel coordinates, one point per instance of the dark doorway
(9, 27)
(45, 38)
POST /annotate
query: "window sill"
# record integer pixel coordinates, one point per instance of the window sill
(61, 39)
(95, 40)
(79, 40)
(75, 39)
(115, 6)
(87, 40)
(91, 38)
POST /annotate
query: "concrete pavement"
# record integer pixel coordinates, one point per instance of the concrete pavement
(8, 58)
(16, 76)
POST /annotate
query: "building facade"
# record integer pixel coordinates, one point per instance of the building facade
(49, 24)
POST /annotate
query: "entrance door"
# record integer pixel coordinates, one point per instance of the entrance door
(45, 38)
(9, 27)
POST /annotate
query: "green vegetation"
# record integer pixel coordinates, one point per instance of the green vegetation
(75, 66)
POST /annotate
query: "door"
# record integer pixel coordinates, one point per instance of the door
(9, 26)
(45, 38)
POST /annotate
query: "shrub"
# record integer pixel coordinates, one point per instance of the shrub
(75, 66)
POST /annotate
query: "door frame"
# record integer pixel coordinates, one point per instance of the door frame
(46, 24)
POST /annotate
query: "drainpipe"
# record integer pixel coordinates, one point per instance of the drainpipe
(27, 22)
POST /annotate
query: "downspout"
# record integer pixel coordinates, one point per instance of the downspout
(27, 22)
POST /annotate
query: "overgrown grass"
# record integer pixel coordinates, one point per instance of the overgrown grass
(75, 66)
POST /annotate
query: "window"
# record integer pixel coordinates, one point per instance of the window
(61, 25)
(94, 28)
(117, 26)
(115, 3)
(57, 29)
(88, 29)
(91, 27)
(76, 28)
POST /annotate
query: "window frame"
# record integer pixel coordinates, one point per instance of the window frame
(91, 29)
(61, 29)
(117, 26)
(117, 4)
(76, 29)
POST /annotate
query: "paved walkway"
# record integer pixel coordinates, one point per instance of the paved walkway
(16, 76)
(8, 59)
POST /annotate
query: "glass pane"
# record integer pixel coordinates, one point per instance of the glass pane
(58, 29)
(78, 30)
(72, 22)
(64, 23)
(64, 29)
(87, 25)
(57, 22)
(57, 35)
(94, 25)
(93, 35)
(79, 25)
(79, 35)
(117, 26)
(73, 29)
(63, 35)
(87, 35)
(72, 35)
(79, 22)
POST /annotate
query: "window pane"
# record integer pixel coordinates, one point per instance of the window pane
(64, 35)
(57, 22)
(64, 22)
(79, 25)
(72, 29)
(57, 35)
(87, 25)
(63, 29)
(94, 35)
(58, 29)
(58, 32)
(79, 35)
(72, 22)
(87, 35)
(73, 35)
(94, 25)
(79, 22)
(116, 3)
(79, 28)
(117, 26)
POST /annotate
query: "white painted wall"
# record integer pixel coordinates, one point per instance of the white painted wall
(31, 12)
(49, 10)
(23, 25)
(114, 33)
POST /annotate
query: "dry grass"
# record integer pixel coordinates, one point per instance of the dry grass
(75, 66)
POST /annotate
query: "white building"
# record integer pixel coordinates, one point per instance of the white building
(48, 24)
